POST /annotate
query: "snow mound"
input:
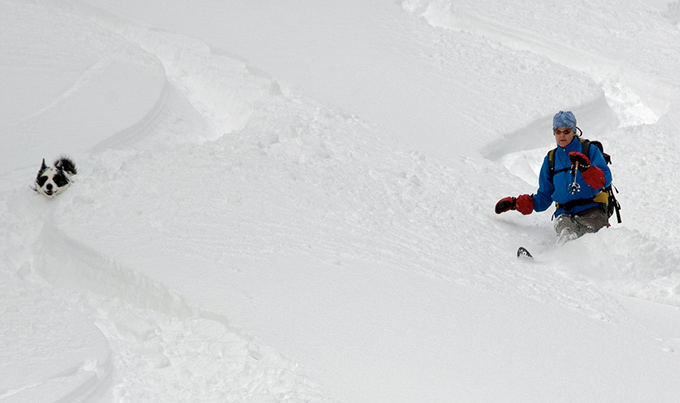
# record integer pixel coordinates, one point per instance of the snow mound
(48, 349)
(71, 84)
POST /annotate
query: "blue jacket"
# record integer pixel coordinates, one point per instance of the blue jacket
(559, 189)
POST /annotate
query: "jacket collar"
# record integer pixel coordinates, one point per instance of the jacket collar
(575, 145)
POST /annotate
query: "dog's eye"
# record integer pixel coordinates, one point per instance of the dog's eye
(41, 180)
(60, 180)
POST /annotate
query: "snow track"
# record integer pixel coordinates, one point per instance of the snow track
(46, 358)
(622, 101)
(161, 340)
(49, 72)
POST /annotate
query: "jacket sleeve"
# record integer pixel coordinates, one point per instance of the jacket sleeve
(543, 197)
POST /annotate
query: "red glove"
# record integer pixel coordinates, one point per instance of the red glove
(525, 204)
(593, 176)
(505, 204)
(583, 161)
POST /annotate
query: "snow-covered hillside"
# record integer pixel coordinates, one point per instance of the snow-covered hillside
(293, 202)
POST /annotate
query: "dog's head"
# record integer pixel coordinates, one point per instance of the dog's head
(52, 181)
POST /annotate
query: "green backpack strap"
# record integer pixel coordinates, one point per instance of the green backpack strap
(551, 162)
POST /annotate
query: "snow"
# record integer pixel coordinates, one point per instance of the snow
(293, 201)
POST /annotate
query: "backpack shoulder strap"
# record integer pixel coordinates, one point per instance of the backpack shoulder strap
(551, 162)
(585, 147)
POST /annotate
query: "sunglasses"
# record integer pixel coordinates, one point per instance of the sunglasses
(565, 131)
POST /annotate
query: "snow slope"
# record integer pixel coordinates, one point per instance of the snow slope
(293, 202)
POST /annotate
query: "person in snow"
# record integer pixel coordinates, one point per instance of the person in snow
(576, 185)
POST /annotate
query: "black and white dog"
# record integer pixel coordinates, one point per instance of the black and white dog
(54, 180)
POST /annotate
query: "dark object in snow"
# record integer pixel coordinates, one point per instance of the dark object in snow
(523, 252)
(54, 180)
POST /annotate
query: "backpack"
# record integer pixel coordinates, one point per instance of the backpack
(611, 202)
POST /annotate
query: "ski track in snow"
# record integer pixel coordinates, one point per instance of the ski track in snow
(157, 337)
(611, 75)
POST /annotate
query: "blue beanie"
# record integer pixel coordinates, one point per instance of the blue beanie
(564, 119)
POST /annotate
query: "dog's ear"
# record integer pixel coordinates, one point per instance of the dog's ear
(66, 165)
(42, 168)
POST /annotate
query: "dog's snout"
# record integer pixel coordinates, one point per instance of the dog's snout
(49, 186)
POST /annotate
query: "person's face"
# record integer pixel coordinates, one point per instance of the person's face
(564, 136)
